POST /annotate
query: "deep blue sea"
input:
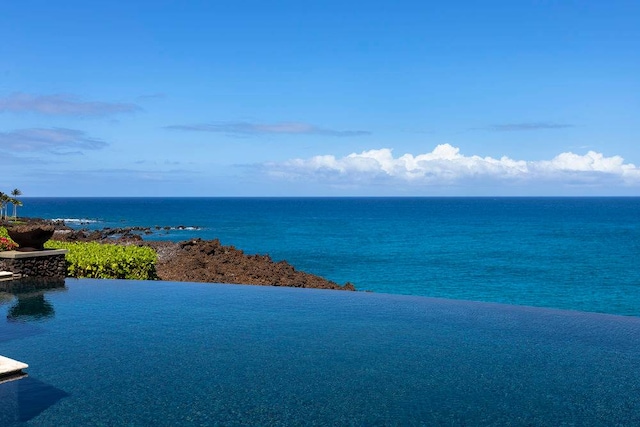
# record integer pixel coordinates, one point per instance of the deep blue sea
(571, 253)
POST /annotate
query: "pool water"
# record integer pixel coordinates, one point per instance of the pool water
(111, 352)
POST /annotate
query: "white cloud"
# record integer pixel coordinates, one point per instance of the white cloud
(590, 162)
(61, 105)
(446, 165)
(286, 128)
(54, 140)
(528, 126)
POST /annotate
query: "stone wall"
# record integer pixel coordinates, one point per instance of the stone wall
(38, 265)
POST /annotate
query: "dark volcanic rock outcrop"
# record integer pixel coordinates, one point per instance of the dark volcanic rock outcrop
(106, 234)
(209, 261)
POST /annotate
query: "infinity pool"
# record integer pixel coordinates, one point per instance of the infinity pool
(107, 352)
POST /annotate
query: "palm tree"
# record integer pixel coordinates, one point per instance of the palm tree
(4, 199)
(15, 203)
(15, 193)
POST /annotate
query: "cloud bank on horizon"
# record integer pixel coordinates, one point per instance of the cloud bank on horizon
(446, 165)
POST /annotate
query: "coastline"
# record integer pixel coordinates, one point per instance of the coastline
(567, 253)
(198, 260)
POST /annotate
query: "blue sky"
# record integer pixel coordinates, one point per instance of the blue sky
(320, 98)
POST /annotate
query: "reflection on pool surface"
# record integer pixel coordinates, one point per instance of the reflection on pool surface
(113, 352)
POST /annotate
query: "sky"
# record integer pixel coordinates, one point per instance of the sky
(320, 98)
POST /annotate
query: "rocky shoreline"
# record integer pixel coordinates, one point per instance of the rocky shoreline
(209, 261)
(200, 260)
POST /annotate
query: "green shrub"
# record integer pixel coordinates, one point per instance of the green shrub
(3, 232)
(107, 261)
(6, 244)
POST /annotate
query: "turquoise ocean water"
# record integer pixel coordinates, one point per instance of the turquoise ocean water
(571, 253)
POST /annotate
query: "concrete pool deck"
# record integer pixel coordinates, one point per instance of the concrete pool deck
(7, 275)
(10, 368)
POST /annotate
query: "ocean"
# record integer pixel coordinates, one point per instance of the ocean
(569, 253)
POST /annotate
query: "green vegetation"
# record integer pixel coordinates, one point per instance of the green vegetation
(103, 260)
(107, 261)
(3, 233)
(6, 244)
(15, 202)
(5, 200)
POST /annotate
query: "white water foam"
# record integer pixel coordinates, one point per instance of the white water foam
(76, 220)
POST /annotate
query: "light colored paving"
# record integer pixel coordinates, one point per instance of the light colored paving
(7, 275)
(33, 254)
(10, 366)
